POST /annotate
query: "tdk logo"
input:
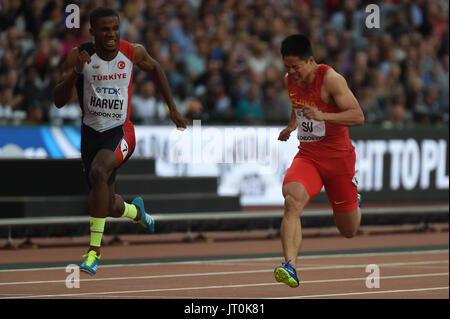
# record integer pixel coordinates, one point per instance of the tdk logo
(108, 91)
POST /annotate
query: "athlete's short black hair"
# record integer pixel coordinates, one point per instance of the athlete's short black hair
(296, 45)
(101, 12)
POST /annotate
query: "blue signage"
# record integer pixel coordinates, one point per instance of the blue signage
(40, 141)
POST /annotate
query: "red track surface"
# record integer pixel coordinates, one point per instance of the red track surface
(408, 272)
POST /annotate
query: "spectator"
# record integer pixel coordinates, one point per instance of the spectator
(223, 111)
(10, 113)
(214, 100)
(9, 12)
(70, 114)
(443, 86)
(179, 77)
(6, 106)
(183, 99)
(398, 115)
(239, 89)
(222, 48)
(258, 61)
(35, 101)
(181, 33)
(146, 107)
(276, 108)
(35, 16)
(214, 70)
(249, 108)
(196, 61)
(426, 111)
(10, 80)
(195, 109)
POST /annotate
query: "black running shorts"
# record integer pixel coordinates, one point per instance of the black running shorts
(120, 140)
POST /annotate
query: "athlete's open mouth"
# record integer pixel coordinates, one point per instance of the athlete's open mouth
(111, 43)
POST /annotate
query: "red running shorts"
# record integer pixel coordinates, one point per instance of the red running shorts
(336, 175)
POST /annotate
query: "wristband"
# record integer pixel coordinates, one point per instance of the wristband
(76, 70)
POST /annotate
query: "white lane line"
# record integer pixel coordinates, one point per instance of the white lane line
(366, 293)
(224, 273)
(232, 260)
(91, 294)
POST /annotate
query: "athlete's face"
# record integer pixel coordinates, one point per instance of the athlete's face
(297, 68)
(107, 33)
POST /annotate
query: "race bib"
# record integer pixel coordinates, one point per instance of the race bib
(106, 102)
(309, 130)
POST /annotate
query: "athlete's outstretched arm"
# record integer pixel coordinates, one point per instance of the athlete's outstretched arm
(292, 125)
(350, 113)
(63, 91)
(150, 65)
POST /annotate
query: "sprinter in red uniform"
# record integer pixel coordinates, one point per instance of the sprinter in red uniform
(322, 109)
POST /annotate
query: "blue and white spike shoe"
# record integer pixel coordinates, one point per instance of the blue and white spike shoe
(286, 274)
(146, 220)
(90, 263)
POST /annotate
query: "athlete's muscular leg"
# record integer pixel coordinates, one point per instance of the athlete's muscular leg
(348, 222)
(102, 167)
(295, 199)
(116, 204)
(341, 189)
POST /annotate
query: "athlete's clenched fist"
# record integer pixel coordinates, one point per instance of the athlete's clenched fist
(82, 58)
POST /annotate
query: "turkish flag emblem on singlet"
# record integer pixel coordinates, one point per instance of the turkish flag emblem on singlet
(121, 65)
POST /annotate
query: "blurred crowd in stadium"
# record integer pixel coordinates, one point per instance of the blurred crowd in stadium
(222, 57)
